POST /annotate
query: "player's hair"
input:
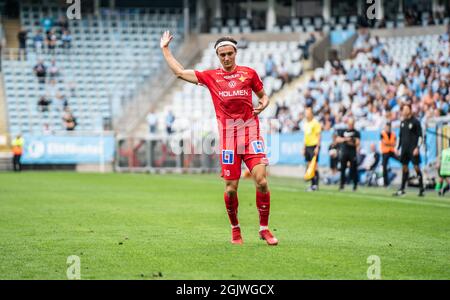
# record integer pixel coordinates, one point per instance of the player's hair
(408, 105)
(226, 39)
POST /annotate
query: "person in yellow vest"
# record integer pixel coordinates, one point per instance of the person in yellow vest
(388, 141)
(312, 130)
(17, 150)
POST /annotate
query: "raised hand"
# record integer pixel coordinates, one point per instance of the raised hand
(262, 104)
(165, 39)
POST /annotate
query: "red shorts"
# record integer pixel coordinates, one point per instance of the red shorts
(238, 149)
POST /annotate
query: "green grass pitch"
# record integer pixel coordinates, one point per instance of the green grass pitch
(139, 226)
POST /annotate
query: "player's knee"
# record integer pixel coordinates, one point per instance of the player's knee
(231, 188)
(261, 184)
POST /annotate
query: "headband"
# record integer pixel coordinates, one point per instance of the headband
(225, 43)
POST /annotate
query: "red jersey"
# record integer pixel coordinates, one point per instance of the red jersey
(231, 94)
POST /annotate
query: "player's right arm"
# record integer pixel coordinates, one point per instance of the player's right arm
(174, 65)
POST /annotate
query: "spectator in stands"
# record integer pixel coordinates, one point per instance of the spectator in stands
(411, 16)
(439, 10)
(242, 43)
(170, 119)
(333, 152)
(46, 130)
(444, 38)
(328, 121)
(51, 41)
(62, 101)
(421, 50)
(66, 39)
(362, 42)
(442, 106)
(22, 38)
(43, 104)
(304, 46)
(47, 23)
(368, 166)
(283, 74)
(63, 24)
(41, 71)
(270, 66)
(72, 86)
(38, 41)
(52, 89)
(152, 122)
(53, 70)
(69, 121)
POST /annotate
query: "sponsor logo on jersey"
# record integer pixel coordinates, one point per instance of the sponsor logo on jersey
(227, 157)
(242, 78)
(232, 76)
(234, 93)
(258, 147)
(232, 84)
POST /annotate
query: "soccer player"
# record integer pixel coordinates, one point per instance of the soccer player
(350, 141)
(388, 143)
(410, 140)
(231, 89)
(312, 129)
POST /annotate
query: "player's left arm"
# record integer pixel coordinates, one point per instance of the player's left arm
(263, 102)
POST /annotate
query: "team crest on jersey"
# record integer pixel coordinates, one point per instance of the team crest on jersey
(258, 147)
(232, 84)
(227, 157)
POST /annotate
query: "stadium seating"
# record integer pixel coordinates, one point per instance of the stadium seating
(400, 50)
(111, 54)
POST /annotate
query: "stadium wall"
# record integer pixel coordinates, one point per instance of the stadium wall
(89, 152)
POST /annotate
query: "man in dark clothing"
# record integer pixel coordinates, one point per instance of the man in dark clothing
(349, 139)
(41, 71)
(410, 141)
(22, 37)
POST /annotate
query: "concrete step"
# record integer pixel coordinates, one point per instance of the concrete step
(6, 163)
(11, 27)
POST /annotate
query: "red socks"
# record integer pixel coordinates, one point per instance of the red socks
(231, 203)
(263, 205)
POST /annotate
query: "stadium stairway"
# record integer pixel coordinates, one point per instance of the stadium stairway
(279, 96)
(5, 161)
(188, 53)
(11, 27)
